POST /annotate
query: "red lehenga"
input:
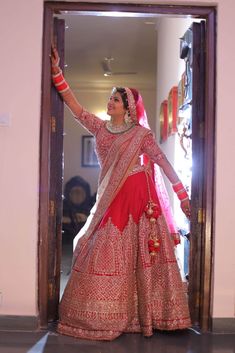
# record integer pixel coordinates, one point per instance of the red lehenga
(115, 285)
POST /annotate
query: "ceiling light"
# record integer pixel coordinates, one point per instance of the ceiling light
(149, 23)
(112, 14)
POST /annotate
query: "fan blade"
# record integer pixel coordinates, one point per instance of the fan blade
(106, 65)
(124, 73)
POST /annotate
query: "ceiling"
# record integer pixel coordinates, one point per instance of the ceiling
(130, 41)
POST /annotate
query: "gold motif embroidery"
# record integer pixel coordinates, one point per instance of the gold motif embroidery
(115, 285)
(129, 294)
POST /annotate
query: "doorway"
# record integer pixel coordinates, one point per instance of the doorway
(49, 209)
(93, 65)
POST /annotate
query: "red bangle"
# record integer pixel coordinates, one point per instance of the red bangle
(182, 195)
(178, 186)
(59, 81)
(62, 87)
(58, 78)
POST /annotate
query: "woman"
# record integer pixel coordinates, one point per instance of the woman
(76, 206)
(125, 276)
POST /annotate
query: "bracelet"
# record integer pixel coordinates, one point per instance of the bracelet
(183, 195)
(177, 186)
(55, 76)
(180, 191)
(59, 82)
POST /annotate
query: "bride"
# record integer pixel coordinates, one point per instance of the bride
(125, 276)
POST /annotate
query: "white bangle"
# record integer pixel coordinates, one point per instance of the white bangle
(58, 74)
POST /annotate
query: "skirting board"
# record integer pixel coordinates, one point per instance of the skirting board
(18, 323)
(223, 325)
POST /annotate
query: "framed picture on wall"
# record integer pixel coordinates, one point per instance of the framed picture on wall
(172, 110)
(181, 92)
(89, 158)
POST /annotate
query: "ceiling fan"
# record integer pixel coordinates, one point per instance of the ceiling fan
(106, 65)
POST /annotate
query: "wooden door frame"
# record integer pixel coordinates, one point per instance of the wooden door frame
(206, 12)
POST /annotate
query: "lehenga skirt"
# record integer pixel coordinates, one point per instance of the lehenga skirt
(115, 285)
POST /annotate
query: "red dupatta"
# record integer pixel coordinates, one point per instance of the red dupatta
(120, 160)
(138, 115)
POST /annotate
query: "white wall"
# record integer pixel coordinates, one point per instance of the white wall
(20, 61)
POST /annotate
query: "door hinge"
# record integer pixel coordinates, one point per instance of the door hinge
(53, 124)
(52, 208)
(201, 215)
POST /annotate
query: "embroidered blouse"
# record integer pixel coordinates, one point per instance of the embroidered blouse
(104, 138)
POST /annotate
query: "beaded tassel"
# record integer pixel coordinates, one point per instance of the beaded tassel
(152, 213)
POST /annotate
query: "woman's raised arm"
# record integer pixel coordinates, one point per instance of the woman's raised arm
(66, 93)
(91, 122)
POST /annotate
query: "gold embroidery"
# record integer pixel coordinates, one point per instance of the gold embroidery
(128, 294)
(115, 285)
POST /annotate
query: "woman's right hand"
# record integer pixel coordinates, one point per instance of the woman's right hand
(67, 95)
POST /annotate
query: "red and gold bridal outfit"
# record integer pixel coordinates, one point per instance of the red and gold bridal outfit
(115, 285)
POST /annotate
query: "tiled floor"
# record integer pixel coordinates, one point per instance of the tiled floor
(161, 342)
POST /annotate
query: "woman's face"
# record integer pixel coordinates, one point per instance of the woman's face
(115, 106)
(77, 195)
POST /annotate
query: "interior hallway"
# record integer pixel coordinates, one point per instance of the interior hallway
(186, 341)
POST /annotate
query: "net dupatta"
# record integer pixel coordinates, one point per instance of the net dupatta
(120, 160)
(139, 116)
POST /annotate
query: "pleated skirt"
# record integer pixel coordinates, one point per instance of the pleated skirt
(115, 285)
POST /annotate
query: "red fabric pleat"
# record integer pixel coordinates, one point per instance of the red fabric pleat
(131, 200)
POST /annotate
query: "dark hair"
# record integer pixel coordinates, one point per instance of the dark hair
(77, 181)
(123, 94)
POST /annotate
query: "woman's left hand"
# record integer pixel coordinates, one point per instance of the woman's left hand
(55, 59)
(186, 208)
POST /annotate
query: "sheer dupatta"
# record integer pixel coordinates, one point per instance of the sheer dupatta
(120, 159)
(156, 172)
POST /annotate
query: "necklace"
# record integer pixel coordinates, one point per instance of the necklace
(118, 129)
